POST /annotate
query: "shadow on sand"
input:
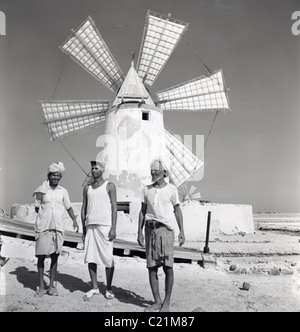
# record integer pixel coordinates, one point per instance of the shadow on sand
(29, 279)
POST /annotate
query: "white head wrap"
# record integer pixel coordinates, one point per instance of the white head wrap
(56, 167)
(163, 164)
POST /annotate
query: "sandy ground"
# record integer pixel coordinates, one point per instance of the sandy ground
(274, 284)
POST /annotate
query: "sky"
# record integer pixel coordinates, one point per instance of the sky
(252, 155)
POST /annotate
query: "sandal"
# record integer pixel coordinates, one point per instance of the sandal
(40, 292)
(109, 295)
(87, 296)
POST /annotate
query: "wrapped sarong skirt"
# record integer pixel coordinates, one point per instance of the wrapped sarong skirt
(159, 246)
(97, 247)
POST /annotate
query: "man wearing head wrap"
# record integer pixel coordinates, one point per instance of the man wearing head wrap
(51, 202)
(99, 220)
(56, 167)
(160, 208)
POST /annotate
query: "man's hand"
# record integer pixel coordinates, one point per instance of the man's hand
(181, 239)
(75, 225)
(112, 234)
(141, 239)
(83, 233)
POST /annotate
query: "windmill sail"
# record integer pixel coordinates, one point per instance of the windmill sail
(161, 36)
(64, 118)
(183, 162)
(189, 195)
(87, 47)
(204, 93)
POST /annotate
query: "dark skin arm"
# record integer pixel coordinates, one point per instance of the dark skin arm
(83, 212)
(179, 219)
(73, 217)
(111, 190)
(141, 238)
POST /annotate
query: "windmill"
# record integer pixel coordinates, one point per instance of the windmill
(134, 128)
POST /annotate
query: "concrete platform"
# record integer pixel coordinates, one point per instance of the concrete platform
(258, 244)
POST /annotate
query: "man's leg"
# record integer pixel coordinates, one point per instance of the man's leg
(169, 281)
(41, 266)
(53, 272)
(109, 277)
(93, 274)
(154, 283)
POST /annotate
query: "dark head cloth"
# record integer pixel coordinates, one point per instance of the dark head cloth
(97, 163)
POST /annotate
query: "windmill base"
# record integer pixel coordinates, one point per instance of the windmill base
(228, 219)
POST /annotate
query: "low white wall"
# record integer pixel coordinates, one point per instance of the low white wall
(225, 219)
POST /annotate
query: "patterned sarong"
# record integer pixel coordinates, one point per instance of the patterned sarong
(159, 246)
(48, 242)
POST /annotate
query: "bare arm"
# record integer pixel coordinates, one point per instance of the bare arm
(141, 238)
(179, 219)
(83, 211)
(73, 217)
(111, 189)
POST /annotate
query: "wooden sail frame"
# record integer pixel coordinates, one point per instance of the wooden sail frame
(64, 118)
(183, 162)
(87, 48)
(160, 37)
(205, 93)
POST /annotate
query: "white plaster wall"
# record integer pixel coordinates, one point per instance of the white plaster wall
(128, 147)
(225, 219)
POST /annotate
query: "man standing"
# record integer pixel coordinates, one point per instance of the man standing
(160, 202)
(99, 220)
(51, 201)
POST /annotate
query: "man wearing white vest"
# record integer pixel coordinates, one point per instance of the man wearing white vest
(99, 220)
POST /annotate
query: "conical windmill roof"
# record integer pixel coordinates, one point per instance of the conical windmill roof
(133, 89)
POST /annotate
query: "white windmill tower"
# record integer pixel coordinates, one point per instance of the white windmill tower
(134, 129)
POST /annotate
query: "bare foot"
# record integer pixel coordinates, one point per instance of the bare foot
(165, 307)
(153, 307)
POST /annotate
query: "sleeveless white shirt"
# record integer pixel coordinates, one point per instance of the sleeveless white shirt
(98, 206)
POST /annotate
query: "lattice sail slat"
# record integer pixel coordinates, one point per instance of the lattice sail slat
(183, 163)
(87, 47)
(161, 36)
(206, 93)
(64, 118)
